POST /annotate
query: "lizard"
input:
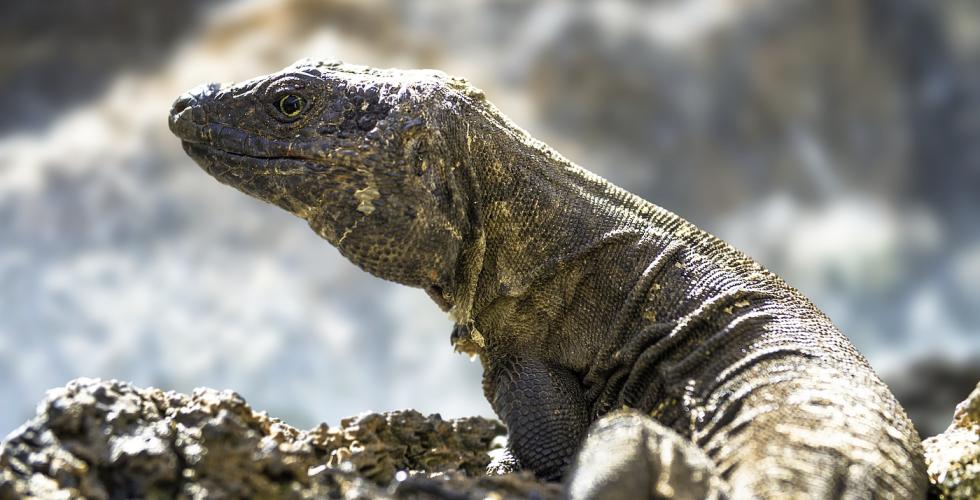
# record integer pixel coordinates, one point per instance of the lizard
(699, 372)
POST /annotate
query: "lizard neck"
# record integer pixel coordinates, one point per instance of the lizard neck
(538, 219)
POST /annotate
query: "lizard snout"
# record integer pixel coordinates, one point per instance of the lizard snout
(183, 102)
(187, 111)
(194, 96)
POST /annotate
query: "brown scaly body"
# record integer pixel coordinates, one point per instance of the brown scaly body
(578, 297)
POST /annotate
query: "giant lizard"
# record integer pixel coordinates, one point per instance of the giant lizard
(700, 372)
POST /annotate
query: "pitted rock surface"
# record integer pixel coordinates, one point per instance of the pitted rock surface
(108, 439)
(954, 456)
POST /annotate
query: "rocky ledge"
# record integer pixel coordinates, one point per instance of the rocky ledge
(954, 456)
(107, 439)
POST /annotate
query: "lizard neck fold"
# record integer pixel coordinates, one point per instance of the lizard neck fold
(535, 216)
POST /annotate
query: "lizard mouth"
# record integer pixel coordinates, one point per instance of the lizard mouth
(235, 141)
(261, 177)
(265, 178)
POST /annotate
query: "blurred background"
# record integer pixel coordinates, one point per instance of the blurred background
(836, 141)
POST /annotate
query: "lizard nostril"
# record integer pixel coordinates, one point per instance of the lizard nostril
(195, 96)
(182, 103)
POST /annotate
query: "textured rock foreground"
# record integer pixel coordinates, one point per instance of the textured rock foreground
(108, 439)
(954, 455)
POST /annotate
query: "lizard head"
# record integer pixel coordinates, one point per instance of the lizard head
(362, 154)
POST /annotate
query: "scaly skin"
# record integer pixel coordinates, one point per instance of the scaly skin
(579, 297)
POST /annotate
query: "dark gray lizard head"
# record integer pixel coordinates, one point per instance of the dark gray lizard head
(360, 153)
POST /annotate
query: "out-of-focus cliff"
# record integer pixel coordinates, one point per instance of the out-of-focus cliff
(838, 142)
(58, 55)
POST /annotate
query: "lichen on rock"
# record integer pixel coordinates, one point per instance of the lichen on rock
(953, 457)
(108, 439)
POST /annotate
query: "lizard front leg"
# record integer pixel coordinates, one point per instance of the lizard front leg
(544, 411)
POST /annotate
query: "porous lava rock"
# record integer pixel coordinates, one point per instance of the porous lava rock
(106, 439)
(102, 439)
(953, 457)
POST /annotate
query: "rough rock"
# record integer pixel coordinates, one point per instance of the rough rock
(954, 456)
(102, 439)
(108, 439)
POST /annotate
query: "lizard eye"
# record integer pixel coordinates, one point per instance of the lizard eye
(291, 105)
